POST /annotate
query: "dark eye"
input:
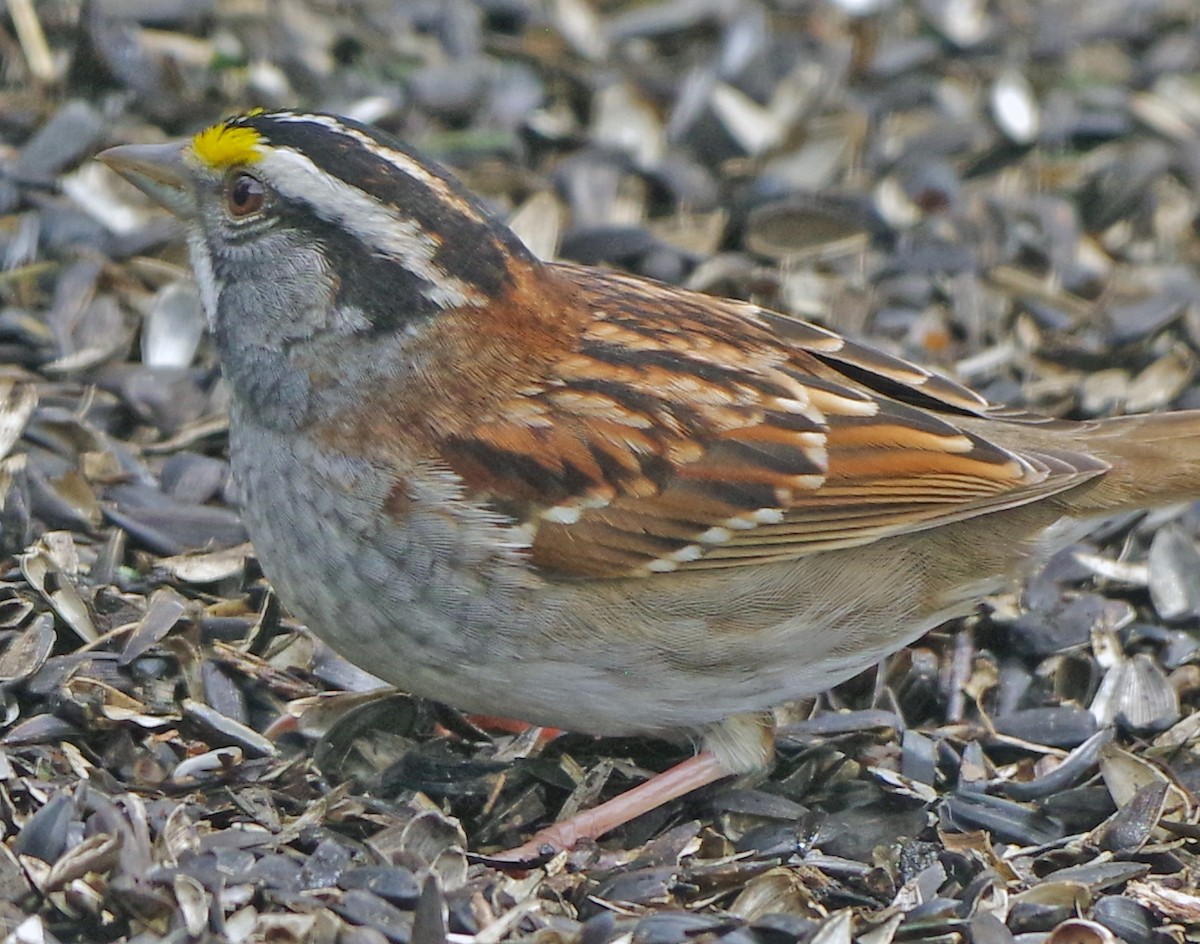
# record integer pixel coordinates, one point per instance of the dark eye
(244, 195)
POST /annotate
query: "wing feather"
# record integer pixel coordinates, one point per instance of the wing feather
(685, 432)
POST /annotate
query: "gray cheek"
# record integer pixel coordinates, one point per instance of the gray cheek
(269, 300)
(286, 289)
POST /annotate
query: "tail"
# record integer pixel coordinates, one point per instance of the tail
(1155, 460)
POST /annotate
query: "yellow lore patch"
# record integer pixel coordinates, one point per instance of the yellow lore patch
(223, 146)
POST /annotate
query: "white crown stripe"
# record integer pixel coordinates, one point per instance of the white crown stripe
(404, 163)
(373, 223)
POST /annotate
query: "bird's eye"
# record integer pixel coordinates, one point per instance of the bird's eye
(244, 195)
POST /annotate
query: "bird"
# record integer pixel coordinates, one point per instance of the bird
(581, 498)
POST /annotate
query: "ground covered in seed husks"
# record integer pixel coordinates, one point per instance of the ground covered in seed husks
(1006, 189)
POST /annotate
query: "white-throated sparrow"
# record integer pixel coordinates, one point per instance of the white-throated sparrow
(581, 498)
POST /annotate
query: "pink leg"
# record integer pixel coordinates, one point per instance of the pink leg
(692, 774)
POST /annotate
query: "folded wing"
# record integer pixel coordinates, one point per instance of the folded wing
(687, 432)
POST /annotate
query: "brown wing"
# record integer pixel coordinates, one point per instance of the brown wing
(687, 432)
